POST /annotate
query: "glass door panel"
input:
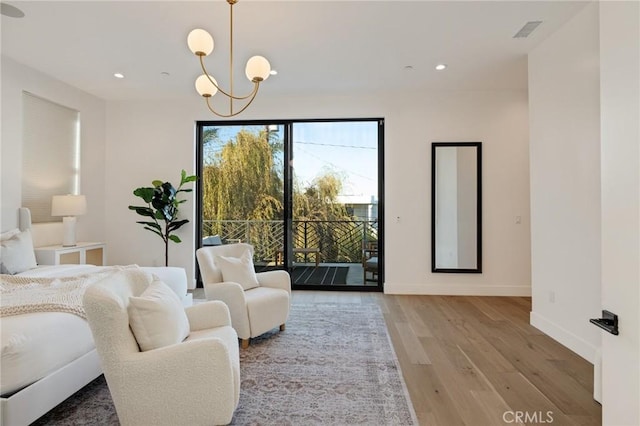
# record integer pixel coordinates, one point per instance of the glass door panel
(335, 203)
(242, 183)
(303, 193)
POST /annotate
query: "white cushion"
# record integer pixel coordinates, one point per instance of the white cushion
(238, 270)
(157, 317)
(267, 308)
(16, 254)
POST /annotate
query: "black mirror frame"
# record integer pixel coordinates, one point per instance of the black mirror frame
(478, 268)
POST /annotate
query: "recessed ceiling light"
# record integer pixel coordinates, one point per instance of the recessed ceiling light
(408, 67)
(165, 73)
(10, 11)
(441, 67)
(118, 75)
(273, 72)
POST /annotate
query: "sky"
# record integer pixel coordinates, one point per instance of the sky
(347, 148)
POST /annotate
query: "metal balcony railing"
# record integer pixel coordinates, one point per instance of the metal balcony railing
(338, 241)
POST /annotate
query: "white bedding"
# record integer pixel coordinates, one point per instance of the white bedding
(52, 271)
(174, 277)
(37, 344)
(34, 345)
(55, 336)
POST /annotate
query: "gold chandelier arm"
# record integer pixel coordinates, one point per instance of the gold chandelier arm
(201, 43)
(233, 114)
(238, 98)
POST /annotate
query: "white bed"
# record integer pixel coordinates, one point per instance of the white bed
(47, 356)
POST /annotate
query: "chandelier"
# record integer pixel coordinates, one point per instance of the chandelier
(257, 70)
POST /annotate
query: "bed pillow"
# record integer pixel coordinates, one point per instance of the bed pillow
(238, 270)
(157, 317)
(16, 254)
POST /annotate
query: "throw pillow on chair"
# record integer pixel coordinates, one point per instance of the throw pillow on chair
(228, 275)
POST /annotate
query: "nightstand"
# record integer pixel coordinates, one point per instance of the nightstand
(80, 254)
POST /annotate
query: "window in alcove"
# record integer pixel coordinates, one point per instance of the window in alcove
(50, 154)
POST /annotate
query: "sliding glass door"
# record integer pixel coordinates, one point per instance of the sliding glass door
(305, 194)
(335, 203)
(241, 188)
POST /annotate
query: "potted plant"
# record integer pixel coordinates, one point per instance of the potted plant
(162, 207)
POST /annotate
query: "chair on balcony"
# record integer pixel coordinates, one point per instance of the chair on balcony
(212, 240)
(258, 302)
(370, 261)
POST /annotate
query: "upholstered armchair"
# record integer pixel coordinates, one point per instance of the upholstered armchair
(258, 302)
(164, 364)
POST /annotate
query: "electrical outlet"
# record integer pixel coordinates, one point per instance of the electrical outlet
(552, 296)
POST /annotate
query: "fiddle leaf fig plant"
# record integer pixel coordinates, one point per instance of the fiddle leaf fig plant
(162, 209)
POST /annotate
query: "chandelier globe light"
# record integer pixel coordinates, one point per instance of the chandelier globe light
(257, 70)
(206, 85)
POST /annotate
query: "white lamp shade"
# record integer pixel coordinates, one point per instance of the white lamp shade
(200, 41)
(68, 205)
(258, 68)
(205, 87)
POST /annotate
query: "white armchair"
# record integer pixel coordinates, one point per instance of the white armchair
(195, 381)
(254, 311)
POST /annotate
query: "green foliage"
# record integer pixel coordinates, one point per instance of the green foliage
(319, 200)
(163, 208)
(243, 180)
(328, 218)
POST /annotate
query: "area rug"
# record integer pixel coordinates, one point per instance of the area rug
(323, 275)
(333, 365)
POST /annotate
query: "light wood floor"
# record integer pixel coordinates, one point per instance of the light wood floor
(477, 361)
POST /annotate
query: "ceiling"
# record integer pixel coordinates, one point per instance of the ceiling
(316, 46)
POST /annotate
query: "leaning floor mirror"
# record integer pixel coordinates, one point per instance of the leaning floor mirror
(456, 207)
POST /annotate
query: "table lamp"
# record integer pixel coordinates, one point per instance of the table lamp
(68, 206)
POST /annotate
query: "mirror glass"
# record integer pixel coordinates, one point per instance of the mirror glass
(456, 200)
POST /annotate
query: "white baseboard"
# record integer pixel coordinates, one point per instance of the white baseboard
(449, 289)
(564, 337)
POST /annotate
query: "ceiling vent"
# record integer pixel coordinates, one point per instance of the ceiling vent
(527, 29)
(10, 11)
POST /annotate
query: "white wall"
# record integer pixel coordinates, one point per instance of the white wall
(154, 140)
(497, 119)
(17, 78)
(128, 144)
(146, 142)
(564, 118)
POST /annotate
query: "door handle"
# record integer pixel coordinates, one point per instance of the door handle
(608, 322)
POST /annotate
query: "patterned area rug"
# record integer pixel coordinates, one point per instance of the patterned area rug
(333, 365)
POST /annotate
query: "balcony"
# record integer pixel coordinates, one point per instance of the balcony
(337, 245)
